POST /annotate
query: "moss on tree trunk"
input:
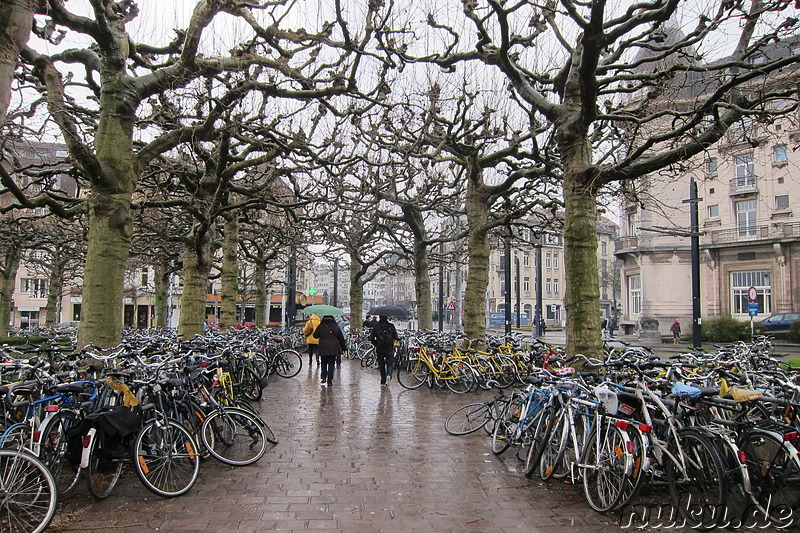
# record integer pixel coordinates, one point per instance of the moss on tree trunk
(229, 276)
(196, 267)
(110, 230)
(8, 276)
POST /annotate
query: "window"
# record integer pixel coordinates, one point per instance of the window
(526, 286)
(555, 287)
(746, 219)
(555, 260)
(526, 259)
(712, 166)
(548, 261)
(145, 276)
(782, 202)
(604, 248)
(713, 211)
(633, 225)
(745, 177)
(780, 154)
(741, 282)
(603, 268)
(34, 288)
(28, 319)
(634, 296)
(548, 289)
(743, 130)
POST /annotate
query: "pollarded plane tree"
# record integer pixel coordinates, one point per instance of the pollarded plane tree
(58, 255)
(470, 132)
(35, 186)
(351, 225)
(593, 76)
(96, 118)
(424, 201)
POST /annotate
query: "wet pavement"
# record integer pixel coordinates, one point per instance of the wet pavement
(352, 457)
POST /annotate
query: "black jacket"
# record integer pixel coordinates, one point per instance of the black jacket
(331, 338)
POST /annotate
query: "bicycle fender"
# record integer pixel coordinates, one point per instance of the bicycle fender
(87, 445)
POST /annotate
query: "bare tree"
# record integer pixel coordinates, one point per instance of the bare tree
(122, 75)
(591, 78)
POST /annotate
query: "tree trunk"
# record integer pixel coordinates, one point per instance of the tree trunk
(478, 252)
(196, 267)
(55, 293)
(422, 286)
(8, 277)
(16, 19)
(230, 272)
(261, 295)
(161, 288)
(110, 230)
(356, 291)
(582, 295)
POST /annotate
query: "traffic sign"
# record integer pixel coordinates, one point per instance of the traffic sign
(312, 291)
(752, 294)
(451, 306)
(753, 308)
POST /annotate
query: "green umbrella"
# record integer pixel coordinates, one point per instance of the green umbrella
(322, 310)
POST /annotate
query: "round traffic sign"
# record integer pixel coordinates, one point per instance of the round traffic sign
(752, 294)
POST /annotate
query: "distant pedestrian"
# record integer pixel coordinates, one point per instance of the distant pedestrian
(604, 327)
(383, 336)
(331, 345)
(612, 325)
(313, 342)
(675, 329)
(369, 322)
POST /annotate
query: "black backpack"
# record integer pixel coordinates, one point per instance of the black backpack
(383, 336)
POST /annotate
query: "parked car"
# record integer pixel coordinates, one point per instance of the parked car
(779, 322)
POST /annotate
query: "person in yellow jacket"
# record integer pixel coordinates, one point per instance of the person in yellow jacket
(313, 342)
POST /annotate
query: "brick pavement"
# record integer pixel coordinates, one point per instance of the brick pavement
(353, 457)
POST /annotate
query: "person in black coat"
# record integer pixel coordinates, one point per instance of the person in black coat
(384, 346)
(331, 344)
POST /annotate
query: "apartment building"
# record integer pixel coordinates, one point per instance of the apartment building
(748, 187)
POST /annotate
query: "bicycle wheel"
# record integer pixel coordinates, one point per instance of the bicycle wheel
(250, 385)
(102, 473)
(699, 494)
(28, 496)
(412, 373)
(774, 476)
(17, 437)
(506, 374)
(460, 378)
(542, 423)
(555, 448)
(605, 474)
(166, 458)
(368, 357)
(505, 426)
(238, 437)
(467, 419)
(53, 452)
(288, 363)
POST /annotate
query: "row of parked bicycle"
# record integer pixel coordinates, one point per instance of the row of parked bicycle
(720, 430)
(451, 361)
(155, 403)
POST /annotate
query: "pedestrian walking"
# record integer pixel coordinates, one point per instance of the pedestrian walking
(313, 342)
(383, 336)
(369, 322)
(331, 345)
(675, 329)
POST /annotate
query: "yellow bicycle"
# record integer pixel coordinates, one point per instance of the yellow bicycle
(449, 371)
